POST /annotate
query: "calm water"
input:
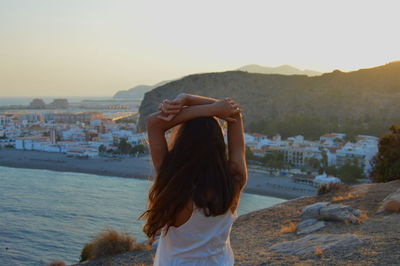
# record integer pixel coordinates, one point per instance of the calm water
(5, 101)
(46, 215)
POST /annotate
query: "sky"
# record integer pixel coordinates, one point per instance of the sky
(97, 47)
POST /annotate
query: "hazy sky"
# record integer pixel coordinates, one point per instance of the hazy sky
(97, 47)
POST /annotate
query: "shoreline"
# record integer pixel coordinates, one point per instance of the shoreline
(140, 168)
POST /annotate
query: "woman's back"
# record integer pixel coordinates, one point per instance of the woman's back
(201, 240)
(195, 167)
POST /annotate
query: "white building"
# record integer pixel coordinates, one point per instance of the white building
(95, 123)
(296, 140)
(249, 140)
(297, 155)
(138, 138)
(30, 143)
(332, 139)
(106, 138)
(73, 134)
(123, 133)
(324, 179)
(361, 152)
(6, 120)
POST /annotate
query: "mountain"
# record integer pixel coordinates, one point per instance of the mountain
(359, 102)
(283, 70)
(137, 92)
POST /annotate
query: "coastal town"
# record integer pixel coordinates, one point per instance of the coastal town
(94, 129)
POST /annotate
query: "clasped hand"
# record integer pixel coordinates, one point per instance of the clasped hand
(225, 109)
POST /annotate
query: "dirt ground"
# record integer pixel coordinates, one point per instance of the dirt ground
(254, 233)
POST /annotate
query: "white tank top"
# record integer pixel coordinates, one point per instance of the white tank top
(201, 240)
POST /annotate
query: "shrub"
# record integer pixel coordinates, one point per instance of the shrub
(140, 148)
(387, 161)
(86, 252)
(330, 188)
(318, 251)
(56, 263)
(350, 172)
(289, 228)
(109, 243)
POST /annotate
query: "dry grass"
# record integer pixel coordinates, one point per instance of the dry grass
(289, 228)
(363, 216)
(318, 251)
(330, 188)
(345, 197)
(109, 243)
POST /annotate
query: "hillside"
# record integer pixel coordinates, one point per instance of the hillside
(372, 240)
(137, 92)
(359, 102)
(283, 70)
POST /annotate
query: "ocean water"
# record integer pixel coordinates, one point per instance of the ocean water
(47, 215)
(5, 101)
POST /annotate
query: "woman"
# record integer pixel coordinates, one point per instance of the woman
(193, 200)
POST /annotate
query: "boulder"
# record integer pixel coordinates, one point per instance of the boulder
(330, 212)
(309, 226)
(313, 211)
(391, 203)
(324, 242)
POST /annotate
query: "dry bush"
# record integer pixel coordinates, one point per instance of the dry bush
(109, 243)
(289, 228)
(318, 251)
(347, 222)
(363, 216)
(331, 188)
(86, 252)
(345, 197)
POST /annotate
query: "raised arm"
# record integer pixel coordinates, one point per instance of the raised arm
(157, 124)
(171, 108)
(236, 149)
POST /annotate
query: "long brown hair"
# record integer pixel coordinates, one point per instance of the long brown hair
(195, 168)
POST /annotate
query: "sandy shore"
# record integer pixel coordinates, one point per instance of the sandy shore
(258, 183)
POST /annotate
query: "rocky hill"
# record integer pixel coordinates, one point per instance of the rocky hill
(283, 70)
(353, 230)
(363, 102)
(137, 92)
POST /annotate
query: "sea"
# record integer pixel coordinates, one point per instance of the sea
(47, 215)
(7, 101)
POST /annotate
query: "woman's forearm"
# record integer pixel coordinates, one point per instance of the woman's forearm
(198, 100)
(199, 110)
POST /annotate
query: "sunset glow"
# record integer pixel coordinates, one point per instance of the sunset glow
(82, 48)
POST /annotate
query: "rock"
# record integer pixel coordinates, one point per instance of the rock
(330, 212)
(339, 212)
(309, 226)
(306, 223)
(313, 211)
(325, 242)
(391, 203)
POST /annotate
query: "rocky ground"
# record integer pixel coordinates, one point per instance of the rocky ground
(257, 238)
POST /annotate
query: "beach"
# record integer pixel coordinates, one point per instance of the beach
(140, 167)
